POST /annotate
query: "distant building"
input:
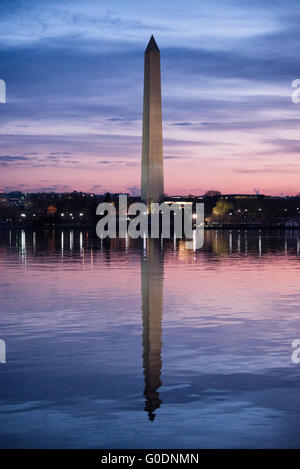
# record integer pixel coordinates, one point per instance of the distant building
(243, 196)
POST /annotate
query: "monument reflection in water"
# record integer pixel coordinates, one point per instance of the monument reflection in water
(152, 274)
(82, 323)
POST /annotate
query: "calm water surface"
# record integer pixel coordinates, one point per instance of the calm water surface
(147, 345)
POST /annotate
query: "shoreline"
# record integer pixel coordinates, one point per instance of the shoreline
(235, 227)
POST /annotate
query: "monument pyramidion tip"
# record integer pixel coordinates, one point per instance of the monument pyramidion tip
(152, 46)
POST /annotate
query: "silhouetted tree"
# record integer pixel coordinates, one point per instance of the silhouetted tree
(212, 193)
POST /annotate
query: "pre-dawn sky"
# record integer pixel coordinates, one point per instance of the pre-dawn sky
(74, 77)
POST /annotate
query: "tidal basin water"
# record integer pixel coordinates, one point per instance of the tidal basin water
(144, 344)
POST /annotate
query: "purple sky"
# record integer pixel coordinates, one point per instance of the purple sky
(74, 76)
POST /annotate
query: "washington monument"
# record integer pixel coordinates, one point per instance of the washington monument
(152, 187)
